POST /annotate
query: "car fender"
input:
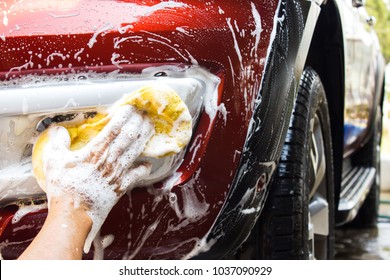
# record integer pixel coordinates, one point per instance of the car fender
(294, 24)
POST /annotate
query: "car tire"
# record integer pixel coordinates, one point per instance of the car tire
(301, 196)
(367, 215)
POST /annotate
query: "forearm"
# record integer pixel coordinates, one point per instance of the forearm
(63, 233)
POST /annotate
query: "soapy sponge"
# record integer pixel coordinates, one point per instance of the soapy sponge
(168, 113)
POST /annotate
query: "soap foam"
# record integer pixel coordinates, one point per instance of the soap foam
(86, 173)
(23, 210)
(96, 174)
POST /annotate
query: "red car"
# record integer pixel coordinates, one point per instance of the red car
(286, 100)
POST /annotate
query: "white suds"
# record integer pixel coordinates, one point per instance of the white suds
(77, 54)
(51, 57)
(26, 209)
(19, 68)
(236, 46)
(100, 30)
(5, 18)
(258, 29)
(100, 244)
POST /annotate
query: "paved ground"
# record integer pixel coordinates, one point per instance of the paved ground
(366, 244)
(372, 244)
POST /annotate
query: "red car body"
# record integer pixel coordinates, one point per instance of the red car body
(257, 49)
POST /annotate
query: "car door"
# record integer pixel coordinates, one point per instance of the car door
(360, 49)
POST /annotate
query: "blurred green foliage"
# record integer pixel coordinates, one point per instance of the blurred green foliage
(380, 10)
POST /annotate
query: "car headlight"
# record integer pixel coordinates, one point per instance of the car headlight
(31, 103)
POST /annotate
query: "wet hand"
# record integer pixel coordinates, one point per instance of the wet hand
(97, 175)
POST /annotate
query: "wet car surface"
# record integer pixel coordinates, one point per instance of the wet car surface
(247, 172)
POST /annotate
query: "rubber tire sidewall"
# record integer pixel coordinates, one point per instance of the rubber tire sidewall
(283, 224)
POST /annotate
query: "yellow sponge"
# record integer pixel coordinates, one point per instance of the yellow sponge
(169, 114)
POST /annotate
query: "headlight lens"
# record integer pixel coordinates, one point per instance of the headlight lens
(32, 103)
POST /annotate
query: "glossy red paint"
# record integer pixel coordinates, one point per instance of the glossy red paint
(6, 218)
(45, 37)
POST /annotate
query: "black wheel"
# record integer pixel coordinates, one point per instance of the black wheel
(297, 221)
(370, 156)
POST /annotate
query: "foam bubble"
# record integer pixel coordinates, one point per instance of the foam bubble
(105, 166)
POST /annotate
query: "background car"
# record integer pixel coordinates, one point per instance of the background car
(286, 103)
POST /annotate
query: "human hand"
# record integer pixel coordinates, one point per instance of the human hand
(97, 175)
